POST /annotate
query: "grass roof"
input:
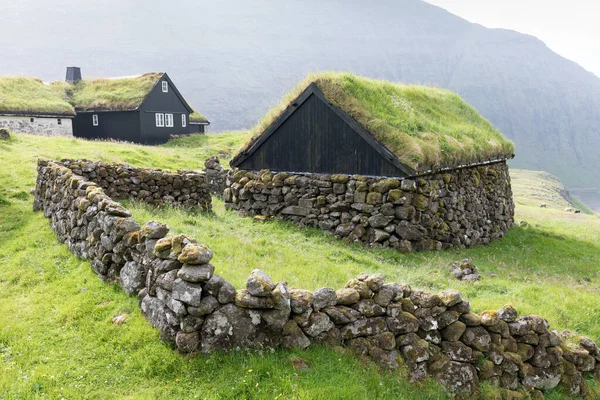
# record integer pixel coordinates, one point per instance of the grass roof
(20, 95)
(113, 94)
(197, 117)
(425, 127)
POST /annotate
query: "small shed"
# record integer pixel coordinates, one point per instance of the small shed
(339, 123)
(28, 105)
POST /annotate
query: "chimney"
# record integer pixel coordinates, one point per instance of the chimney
(73, 74)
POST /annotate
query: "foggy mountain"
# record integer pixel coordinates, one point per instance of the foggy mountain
(233, 60)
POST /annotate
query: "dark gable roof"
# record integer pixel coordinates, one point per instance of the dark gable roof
(119, 94)
(420, 128)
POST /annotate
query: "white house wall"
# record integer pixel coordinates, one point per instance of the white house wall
(39, 126)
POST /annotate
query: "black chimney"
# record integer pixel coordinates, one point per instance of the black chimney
(73, 74)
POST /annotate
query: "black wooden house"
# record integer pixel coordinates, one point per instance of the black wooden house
(315, 136)
(343, 124)
(142, 109)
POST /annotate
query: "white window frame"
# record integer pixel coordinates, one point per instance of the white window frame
(183, 121)
(165, 87)
(159, 118)
(95, 119)
(169, 120)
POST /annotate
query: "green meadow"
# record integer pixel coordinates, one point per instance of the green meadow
(57, 338)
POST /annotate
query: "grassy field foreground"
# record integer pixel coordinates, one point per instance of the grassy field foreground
(57, 338)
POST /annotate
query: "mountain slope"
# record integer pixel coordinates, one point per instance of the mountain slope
(233, 62)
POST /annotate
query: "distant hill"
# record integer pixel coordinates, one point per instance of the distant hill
(233, 61)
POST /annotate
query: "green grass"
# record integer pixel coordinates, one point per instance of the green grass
(57, 339)
(197, 117)
(112, 94)
(424, 126)
(28, 95)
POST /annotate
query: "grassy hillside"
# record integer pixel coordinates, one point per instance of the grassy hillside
(57, 339)
(532, 188)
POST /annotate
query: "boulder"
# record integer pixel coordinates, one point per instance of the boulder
(132, 277)
(196, 254)
(187, 292)
(324, 297)
(259, 284)
(196, 273)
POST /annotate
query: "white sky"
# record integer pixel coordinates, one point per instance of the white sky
(570, 28)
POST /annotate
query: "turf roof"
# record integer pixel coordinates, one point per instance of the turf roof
(30, 96)
(197, 117)
(118, 94)
(425, 127)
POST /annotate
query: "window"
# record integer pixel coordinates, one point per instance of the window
(95, 119)
(59, 121)
(165, 86)
(160, 119)
(169, 120)
(30, 119)
(183, 121)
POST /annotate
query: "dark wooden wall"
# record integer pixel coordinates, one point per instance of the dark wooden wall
(158, 101)
(315, 139)
(120, 125)
(197, 128)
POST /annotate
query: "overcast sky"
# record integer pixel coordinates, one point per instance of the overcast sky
(570, 28)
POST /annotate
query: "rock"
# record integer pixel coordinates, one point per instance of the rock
(196, 273)
(402, 323)
(375, 282)
(415, 352)
(369, 308)
(347, 296)
(341, 315)
(259, 284)
(132, 277)
(244, 299)
(226, 293)
(301, 300)
(489, 318)
(293, 337)
(156, 313)
(207, 305)
(450, 297)
(231, 327)
(363, 327)
(447, 318)
(542, 378)
(190, 323)
(361, 287)
(525, 351)
(187, 292)
(458, 351)
(508, 313)
(385, 341)
(318, 323)
(195, 254)
(324, 297)
(379, 220)
(166, 280)
(478, 338)
(470, 319)
(425, 299)
(458, 377)
(153, 230)
(385, 295)
(187, 342)
(4, 134)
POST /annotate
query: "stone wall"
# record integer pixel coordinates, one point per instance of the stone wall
(392, 324)
(39, 126)
(457, 208)
(217, 177)
(150, 185)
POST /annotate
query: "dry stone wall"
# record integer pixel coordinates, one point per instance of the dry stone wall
(432, 334)
(150, 185)
(458, 208)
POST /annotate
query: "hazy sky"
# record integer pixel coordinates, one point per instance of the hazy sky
(570, 28)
